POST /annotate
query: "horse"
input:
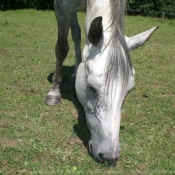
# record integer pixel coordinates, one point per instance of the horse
(104, 74)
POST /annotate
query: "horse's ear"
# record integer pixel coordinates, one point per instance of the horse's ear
(95, 31)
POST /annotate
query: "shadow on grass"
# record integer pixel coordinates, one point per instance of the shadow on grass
(68, 92)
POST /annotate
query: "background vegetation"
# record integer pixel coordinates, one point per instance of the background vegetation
(40, 139)
(149, 7)
(145, 7)
(23, 4)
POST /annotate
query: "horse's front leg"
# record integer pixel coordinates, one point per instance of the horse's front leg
(76, 36)
(61, 51)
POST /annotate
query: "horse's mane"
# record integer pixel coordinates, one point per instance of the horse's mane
(119, 64)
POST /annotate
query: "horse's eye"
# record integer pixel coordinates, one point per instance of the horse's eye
(92, 89)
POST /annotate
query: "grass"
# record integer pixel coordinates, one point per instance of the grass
(40, 139)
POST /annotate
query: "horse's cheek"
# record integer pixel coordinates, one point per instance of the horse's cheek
(80, 83)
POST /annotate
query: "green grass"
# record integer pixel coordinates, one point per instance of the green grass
(38, 139)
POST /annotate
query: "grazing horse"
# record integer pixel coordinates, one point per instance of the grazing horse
(104, 73)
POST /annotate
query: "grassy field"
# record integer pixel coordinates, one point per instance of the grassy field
(40, 139)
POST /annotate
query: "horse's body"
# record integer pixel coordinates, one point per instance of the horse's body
(105, 74)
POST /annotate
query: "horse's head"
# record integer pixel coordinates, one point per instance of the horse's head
(104, 78)
(107, 77)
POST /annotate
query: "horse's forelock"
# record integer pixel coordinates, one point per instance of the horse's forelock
(117, 15)
(118, 65)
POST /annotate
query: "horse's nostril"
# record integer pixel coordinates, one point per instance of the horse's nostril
(100, 157)
(110, 160)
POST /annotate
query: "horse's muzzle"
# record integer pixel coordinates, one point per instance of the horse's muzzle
(110, 161)
(101, 156)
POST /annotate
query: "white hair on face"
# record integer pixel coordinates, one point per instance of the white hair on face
(119, 66)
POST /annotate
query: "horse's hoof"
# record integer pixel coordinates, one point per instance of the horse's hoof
(52, 100)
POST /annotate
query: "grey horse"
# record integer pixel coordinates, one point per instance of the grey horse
(104, 73)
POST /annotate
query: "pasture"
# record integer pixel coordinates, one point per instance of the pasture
(40, 139)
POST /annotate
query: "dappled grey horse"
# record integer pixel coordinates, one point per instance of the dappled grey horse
(104, 73)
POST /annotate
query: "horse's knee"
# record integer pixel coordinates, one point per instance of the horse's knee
(75, 29)
(61, 49)
(76, 34)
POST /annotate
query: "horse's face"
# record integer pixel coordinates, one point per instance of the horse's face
(102, 116)
(102, 92)
(103, 108)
